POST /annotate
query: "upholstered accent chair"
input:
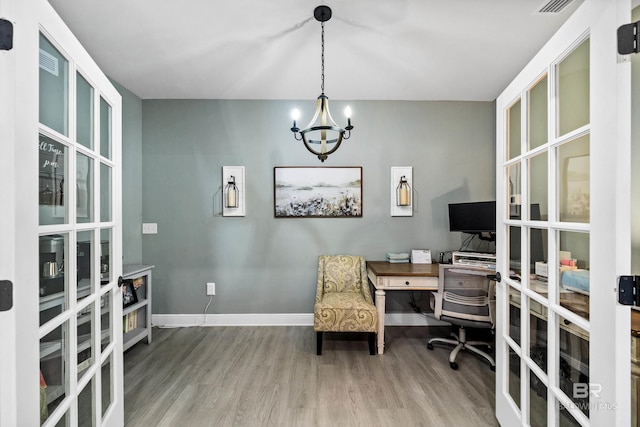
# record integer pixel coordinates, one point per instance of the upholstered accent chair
(343, 299)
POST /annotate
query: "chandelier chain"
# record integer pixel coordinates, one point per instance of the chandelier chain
(322, 59)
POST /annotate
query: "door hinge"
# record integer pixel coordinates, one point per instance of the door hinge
(6, 295)
(628, 292)
(6, 35)
(628, 38)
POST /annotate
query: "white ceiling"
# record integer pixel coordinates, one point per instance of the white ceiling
(257, 49)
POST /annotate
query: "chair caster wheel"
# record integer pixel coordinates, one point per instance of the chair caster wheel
(453, 365)
(492, 367)
(430, 346)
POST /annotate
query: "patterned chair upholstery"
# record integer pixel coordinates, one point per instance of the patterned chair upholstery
(343, 299)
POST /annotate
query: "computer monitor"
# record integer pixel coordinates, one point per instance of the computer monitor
(473, 217)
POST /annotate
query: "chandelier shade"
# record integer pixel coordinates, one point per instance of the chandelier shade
(322, 136)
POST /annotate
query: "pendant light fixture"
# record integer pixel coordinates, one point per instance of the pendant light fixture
(322, 136)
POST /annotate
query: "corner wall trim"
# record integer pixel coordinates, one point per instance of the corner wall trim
(276, 319)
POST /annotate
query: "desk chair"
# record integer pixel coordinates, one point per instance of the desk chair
(343, 299)
(466, 298)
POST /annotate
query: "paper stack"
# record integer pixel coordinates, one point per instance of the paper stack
(397, 257)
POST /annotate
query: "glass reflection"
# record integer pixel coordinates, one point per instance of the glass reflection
(573, 90)
(53, 88)
(514, 130)
(53, 282)
(53, 187)
(85, 339)
(84, 112)
(538, 186)
(105, 320)
(85, 276)
(573, 363)
(514, 247)
(538, 117)
(84, 188)
(574, 180)
(537, 401)
(107, 380)
(515, 299)
(86, 405)
(54, 360)
(515, 189)
(538, 269)
(514, 376)
(538, 334)
(105, 256)
(105, 192)
(105, 129)
(573, 272)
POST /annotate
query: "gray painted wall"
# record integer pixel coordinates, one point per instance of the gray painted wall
(266, 265)
(131, 176)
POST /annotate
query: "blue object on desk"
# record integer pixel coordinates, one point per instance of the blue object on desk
(576, 280)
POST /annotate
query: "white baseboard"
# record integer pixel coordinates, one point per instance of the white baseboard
(281, 319)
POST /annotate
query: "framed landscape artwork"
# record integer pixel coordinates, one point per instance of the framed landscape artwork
(317, 192)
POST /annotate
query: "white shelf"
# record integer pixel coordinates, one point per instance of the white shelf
(142, 307)
(135, 307)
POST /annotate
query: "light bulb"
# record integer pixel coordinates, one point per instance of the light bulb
(347, 112)
(295, 114)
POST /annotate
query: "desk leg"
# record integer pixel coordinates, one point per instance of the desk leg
(380, 302)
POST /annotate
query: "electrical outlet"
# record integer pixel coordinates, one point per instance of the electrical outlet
(149, 228)
(211, 288)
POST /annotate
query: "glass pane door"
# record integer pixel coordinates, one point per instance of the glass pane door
(80, 338)
(548, 372)
(543, 304)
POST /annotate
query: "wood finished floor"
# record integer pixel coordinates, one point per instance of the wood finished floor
(271, 376)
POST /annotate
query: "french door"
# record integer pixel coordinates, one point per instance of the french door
(61, 198)
(563, 173)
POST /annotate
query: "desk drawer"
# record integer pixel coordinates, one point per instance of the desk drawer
(410, 282)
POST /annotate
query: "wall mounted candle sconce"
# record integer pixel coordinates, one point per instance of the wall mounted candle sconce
(401, 191)
(233, 191)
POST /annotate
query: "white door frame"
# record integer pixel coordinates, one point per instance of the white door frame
(609, 327)
(18, 214)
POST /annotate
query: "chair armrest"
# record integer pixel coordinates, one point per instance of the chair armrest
(436, 304)
(320, 282)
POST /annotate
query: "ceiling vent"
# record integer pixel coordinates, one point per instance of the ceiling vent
(554, 6)
(48, 62)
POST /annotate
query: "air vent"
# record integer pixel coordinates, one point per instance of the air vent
(554, 6)
(48, 62)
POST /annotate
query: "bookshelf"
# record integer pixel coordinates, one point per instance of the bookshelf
(136, 318)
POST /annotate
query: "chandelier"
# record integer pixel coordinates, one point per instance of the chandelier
(322, 136)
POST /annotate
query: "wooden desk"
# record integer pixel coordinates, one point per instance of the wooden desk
(387, 276)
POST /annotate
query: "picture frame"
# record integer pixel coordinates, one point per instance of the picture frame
(317, 191)
(129, 296)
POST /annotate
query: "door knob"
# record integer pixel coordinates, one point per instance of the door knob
(495, 277)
